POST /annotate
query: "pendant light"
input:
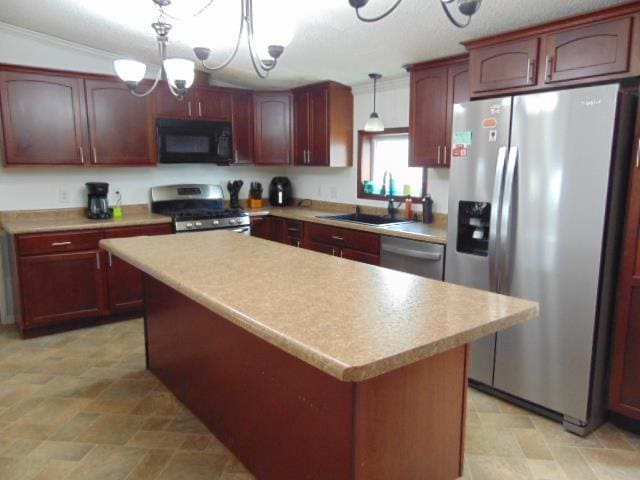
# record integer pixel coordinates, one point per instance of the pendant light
(375, 123)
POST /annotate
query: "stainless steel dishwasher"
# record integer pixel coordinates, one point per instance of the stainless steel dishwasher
(420, 258)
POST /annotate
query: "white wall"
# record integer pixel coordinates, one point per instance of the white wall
(44, 188)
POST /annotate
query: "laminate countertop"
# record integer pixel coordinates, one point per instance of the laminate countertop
(46, 221)
(350, 320)
(434, 233)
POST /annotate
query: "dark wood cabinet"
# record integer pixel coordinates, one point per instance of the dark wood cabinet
(590, 51)
(294, 233)
(272, 128)
(64, 276)
(595, 47)
(435, 88)
(167, 105)
(120, 125)
(124, 281)
(323, 125)
(33, 134)
(242, 122)
(213, 104)
(60, 287)
(261, 227)
(624, 389)
(507, 65)
(343, 242)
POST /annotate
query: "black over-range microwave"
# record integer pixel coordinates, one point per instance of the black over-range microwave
(194, 141)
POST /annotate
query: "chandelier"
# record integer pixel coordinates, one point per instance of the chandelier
(179, 72)
(467, 9)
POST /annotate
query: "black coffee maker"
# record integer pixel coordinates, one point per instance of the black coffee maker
(98, 204)
(280, 192)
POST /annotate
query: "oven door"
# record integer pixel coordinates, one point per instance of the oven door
(190, 141)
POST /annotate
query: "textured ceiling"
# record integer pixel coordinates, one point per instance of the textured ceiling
(329, 43)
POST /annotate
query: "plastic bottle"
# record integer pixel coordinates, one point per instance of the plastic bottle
(408, 208)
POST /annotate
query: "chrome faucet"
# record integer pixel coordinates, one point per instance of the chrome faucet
(391, 209)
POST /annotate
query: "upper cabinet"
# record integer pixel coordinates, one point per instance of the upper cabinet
(59, 118)
(200, 103)
(272, 128)
(596, 47)
(120, 125)
(323, 125)
(435, 87)
(32, 135)
(507, 65)
(242, 123)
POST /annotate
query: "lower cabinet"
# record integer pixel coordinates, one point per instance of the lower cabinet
(125, 280)
(61, 286)
(64, 276)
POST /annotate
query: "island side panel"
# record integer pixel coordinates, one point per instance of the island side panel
(409, 423)
(280, 416)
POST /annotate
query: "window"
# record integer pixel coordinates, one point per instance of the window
(383, 164)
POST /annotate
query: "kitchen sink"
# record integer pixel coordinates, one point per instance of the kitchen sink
(365, 219)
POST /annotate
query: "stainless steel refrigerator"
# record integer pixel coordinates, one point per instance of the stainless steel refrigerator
(536, 195)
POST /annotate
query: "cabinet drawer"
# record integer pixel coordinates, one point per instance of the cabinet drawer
(139, 231)
(294, 228)
(344, 238)
(59, 242)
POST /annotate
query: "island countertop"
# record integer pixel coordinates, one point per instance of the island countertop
(350, 320)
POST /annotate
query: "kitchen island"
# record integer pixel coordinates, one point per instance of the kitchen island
(309, 366)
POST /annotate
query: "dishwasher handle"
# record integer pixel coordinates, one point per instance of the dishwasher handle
(408, 252)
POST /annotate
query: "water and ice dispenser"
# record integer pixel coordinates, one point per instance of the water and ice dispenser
(474, 219)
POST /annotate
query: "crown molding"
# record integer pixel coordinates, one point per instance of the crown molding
(384, 85)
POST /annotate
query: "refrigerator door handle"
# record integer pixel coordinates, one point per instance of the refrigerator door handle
(496, 211)
(504, 246)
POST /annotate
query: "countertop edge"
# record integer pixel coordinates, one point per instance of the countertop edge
(98, 225)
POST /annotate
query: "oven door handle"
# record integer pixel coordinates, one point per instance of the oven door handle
(242, 230)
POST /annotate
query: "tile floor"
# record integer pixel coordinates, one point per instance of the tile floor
(80, 405)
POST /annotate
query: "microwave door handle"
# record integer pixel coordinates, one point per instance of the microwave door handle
(494, 226)
(506, 218)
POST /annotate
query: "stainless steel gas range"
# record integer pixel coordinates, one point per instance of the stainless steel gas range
(198, 207)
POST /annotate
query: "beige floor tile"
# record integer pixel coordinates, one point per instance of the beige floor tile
(555, 434)
(157, 404)
(151, 466)
(612, 437)
(18, 448)
(492, 468)
(196, 442)
(111, 429)
(20, 468)
(194, 466)
(499, 442)
(54, 411)
(613, 464)
(186, 422)
(28, 431)
(12, 393)
(56, 470)
(545, 470)
(532, 444)
(157, 440)
(70, 451)
(74, 427)
(481, 402)
(108, 462)
(507, 420)
(573, 463)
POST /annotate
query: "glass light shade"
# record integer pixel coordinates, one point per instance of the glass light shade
(179, 69)
(130, 71)
(374, 124)
(274, 23)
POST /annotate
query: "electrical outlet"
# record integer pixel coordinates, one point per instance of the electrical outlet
(63, 196)
(334, 193)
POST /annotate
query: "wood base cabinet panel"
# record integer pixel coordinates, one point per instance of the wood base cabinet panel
(624, 388)
(285, 419)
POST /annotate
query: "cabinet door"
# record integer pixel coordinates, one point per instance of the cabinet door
(168, 106)
(278, 230)
(261, 227)
(459, 92)
(359, 256)
(319, 131)
(301, 128)
(273, 137)
(125, 280)
(213, 104)
(120, 125)
(428, 117)
(242, 128)
(61, 287)
(594, 50)
(43, 119)
(507, 65)
(624, 390)
(321, 247)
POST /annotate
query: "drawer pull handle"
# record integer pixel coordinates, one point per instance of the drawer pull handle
(291, 229)
(60, 244)
(98, 260)
(337, 238)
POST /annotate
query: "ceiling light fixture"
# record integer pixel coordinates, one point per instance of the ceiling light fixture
(374, 123)
(178, 71)
(277, 34)
(466, 7)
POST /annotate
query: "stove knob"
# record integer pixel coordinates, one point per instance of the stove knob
(216, 222)
(232, 221)
(198, 224)
(189, 225)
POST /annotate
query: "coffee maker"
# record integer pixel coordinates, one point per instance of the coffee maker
(98, 204)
